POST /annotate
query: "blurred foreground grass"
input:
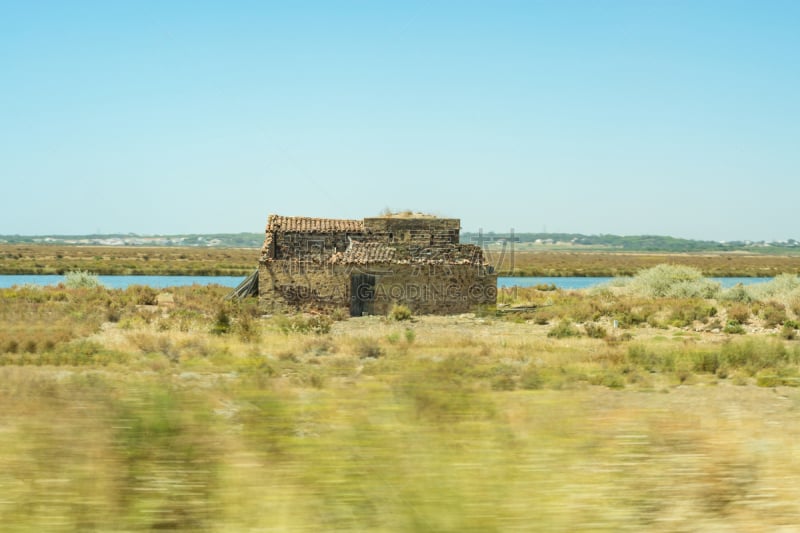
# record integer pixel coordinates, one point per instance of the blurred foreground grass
(86, 451)
(137, 417)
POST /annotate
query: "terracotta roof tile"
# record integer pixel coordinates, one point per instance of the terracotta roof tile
(314, 225)
(361, 253)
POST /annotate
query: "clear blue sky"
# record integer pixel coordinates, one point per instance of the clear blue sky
(673, 118)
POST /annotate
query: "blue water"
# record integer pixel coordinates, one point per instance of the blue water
(120, 282)
(585, 283)
(561, 283)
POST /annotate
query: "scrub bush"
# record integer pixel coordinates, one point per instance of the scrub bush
(80, 279)
(595, 331)
(733, 327)
(564, 329)
(774, 314)
(788, 331)
(319, 324)
(400, 312)
(739, 312)
(672, 281)
(368, 348)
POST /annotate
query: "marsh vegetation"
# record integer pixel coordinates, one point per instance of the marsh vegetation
(127, 260)
(633, 406)
(199, 261)
(614, 264)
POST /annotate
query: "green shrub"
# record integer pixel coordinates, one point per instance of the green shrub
(563, 330)
(113, 313)
(685, 313)
(637, 314)
(640, 356)
(733, 327)
(485, 311)
(754, 355)
(532, 379)
(317, 381)
(794, 302)
(672, 281)
(683, 374)
(339, 314)
(222, 322)
(707, 362)
(247, 328)
(545, 315)
(504, 382)
(737, 293)
(368, 348)
(595, 331)
(320, 346)
(400, 312)
(788, 332)
(739, 312)
(584, 311)
(608, 378)
(774, 314)
(781, 287)
(318, 324)
(80, 279)
(770, 380)
(142, 294)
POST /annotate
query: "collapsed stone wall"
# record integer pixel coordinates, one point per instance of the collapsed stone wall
(368, 252)
(291, 284)
(435, 289)
(316, 247)
(424, 288)
(425, 231)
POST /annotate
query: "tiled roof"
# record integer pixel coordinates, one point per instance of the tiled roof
(361, 253)
(314, 225)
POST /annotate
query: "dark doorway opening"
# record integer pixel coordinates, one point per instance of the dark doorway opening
(362, 294)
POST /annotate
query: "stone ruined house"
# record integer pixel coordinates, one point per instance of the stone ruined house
(367, 266)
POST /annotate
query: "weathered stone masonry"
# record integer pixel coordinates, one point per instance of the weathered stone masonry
(367, 266)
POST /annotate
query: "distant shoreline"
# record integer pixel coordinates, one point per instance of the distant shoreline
(494, 241)
(32, 259)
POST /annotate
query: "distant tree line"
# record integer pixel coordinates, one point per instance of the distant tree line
(633, 243)
(638, 243)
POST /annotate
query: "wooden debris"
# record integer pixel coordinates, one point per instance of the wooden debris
(249, 287)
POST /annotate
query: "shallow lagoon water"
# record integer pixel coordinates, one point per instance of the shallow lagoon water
(121, 282)
(588, 282)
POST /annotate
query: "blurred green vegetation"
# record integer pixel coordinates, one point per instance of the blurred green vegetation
(138, 409)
